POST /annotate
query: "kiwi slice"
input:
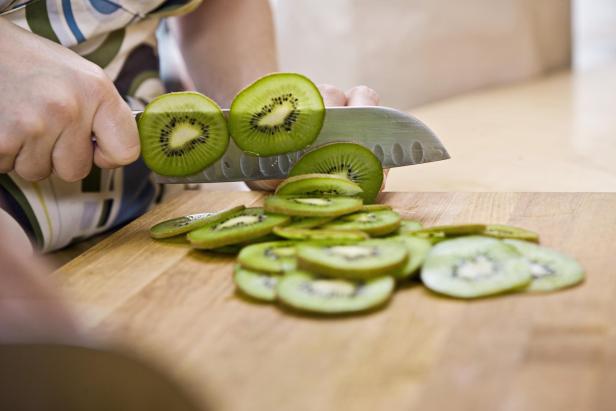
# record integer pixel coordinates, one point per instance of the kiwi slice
(474, 266)
(375, 223)
(366, 259)
(277, 114)
(307, 292)
(318, 234)
(308, 222)
(418, 249)
(236, 248)
(312, 206)
(318, 185)
(507, 231)
(260, 286)
(375, 207)
(182, 133)
(181, 225)
(271, 257)
(550, 269)
(409, 226)
(240, 227)
(438, 233)
(349, 160)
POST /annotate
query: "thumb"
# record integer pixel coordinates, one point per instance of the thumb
(117, 138)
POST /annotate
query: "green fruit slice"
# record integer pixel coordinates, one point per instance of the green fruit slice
(277, 114)
(318, 185)
(240, 227)
(304, 234)
(451, 230)
(306, 292)
(550, 269)
(181, 225)
(349, 160)
(312, 206)
(271, 257)
(418, 249)
(375, 207)
(182, 133)
(507, 231)
(261, 286)
(409, 226)
(375, 223)
(366, 259)
(471, 267)
(309, 222)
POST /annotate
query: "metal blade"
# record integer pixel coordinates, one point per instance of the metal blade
(395, 137)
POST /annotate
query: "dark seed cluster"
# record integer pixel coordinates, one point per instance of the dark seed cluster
(288, 122)
(260, 218)
(168, 129)
(344, 168)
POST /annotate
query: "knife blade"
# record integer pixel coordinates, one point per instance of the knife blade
(395, 137)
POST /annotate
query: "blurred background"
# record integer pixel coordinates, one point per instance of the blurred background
(419, 51)
(519, 91)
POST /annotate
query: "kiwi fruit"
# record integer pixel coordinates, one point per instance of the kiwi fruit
(474, 266)
(181, 225)
(318, 185)
(308, 222)
(550, 269)
(271, 257)
(260, 286)
(312, 206)
(418, 249)
(277, 114)
(507, 231)
(375, 223)
(182, 133)
(236, 248)
(305, 234)
(352, 161)
(409, 226)
(437, 234)
(304, 291)
(240, 227)
(362, 260)
(375, 207)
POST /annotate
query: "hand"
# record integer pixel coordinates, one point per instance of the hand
(333, 97)
(30, 309)
(52, 102)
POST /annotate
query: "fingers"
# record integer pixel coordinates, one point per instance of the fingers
(332, 95)
(33, 162)
(117, 140)
(362, 96)
(72, 154)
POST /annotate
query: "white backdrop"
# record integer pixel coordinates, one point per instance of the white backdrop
(415, 51)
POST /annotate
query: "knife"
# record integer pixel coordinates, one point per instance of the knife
(395, 137)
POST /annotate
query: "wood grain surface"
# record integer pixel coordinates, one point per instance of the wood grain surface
(421, 352)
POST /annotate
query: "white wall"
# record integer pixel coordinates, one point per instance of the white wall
(415, 51)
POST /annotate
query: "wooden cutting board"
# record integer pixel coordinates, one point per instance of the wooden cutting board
(421, 352)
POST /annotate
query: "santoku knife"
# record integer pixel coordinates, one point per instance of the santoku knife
(395, 137)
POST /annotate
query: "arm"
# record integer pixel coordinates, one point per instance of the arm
(227, 45)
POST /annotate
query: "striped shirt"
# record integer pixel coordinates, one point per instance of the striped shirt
(120, 37)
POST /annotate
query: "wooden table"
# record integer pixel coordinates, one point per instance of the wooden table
(422, 352)
(556, 133)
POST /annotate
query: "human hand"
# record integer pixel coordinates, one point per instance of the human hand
(53, 101)
(332, 97)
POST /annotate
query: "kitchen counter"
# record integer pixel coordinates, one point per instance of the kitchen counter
(422, 352)
(555, 133)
